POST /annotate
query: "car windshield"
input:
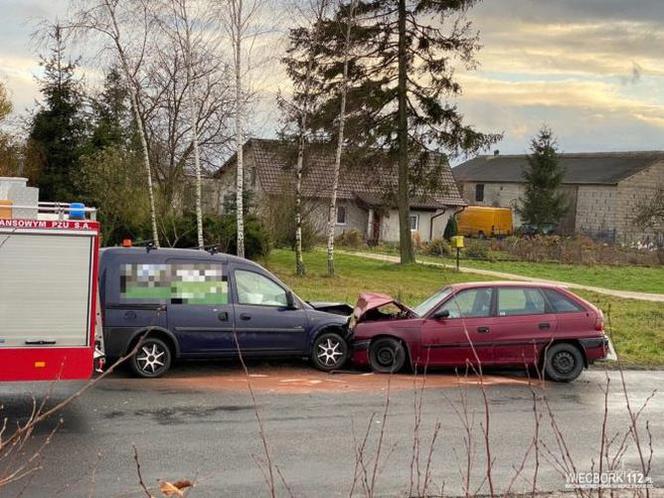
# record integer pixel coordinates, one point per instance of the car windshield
(429, 303)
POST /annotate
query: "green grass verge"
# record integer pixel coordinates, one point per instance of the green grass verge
(637, 327)
(628, 278)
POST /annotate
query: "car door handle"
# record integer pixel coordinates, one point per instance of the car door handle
(483, 330)
(544, 326)
(245, 316)
(223, 316)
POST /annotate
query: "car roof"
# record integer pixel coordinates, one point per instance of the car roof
(166, 253)
(505, 283)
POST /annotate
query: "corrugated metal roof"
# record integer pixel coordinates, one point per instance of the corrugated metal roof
(595, 168)
(275, 173)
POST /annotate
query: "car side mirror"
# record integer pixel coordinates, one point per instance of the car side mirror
(290, 300)
(441, 314)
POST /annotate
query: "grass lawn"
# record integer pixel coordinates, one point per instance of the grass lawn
(628, 278)
(637, 327)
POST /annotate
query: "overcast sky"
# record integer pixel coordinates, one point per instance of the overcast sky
(593, 70)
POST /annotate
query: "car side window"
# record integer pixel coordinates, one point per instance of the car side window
(254, 288)
(520, 301)
(471, 303)
(174, 282)
(561, 303)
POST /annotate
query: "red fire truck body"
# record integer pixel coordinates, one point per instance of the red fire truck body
(48, 295)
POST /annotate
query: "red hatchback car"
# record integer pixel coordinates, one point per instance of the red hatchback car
(493, 323)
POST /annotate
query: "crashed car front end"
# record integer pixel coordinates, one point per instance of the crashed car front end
(377, 314)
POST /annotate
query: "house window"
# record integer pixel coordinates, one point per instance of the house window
(414, 222)
(341, 215)
(479, 192)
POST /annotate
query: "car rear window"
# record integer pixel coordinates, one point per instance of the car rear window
(561, 303)
(520, 301)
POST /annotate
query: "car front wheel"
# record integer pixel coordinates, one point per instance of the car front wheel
(153, 358)
(563, 362)
(387, 355)
(330, 351)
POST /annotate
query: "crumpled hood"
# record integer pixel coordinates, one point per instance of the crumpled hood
(368, 301)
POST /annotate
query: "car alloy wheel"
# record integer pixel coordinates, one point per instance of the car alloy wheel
(152, 359)
(563, 362)
(330, 351)
(387, 355)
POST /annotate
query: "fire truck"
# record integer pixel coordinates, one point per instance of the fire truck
(49, 256)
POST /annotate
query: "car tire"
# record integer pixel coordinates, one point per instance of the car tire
(563, 362)
(387, 355)
(329, 352)
(153, 358)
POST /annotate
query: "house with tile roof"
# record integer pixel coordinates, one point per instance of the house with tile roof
(364, 198)
(603, 189)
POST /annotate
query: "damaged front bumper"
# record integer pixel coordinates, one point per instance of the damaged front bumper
(360, 356)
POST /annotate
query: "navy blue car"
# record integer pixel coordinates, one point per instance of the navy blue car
(199, 305)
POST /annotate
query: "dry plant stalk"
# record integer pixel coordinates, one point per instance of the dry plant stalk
(261, 428)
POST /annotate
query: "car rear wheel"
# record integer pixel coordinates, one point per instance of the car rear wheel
(563, 362)
(330, 351)
(387, 355)
(153, 358)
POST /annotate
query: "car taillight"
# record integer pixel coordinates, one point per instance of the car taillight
(599, 321)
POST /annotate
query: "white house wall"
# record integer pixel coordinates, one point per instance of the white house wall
(389, 229)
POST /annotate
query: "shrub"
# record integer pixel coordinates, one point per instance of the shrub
(279, 216)
(219, 231)
(351, 239)
(256, 238)
(438, 247)
(416, 241)
(476, 249)
(451, 228)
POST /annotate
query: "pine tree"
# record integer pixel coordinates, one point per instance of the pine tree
(400, 80)
(112, 123)
(58, 127)
(543, 203)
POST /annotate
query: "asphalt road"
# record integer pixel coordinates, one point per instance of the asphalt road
(199, 423)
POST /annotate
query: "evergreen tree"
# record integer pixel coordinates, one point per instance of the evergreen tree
(400, 79)
(112, 122)
(543, 203)
(58, 127)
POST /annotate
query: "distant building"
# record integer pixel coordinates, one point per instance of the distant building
(603, 189)
(362, 201)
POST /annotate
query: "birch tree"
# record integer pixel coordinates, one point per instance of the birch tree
(237, 17)
(186, 29)
(127, 26)
(301, 69)
(343, 91)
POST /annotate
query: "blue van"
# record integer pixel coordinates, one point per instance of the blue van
(194, 304)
